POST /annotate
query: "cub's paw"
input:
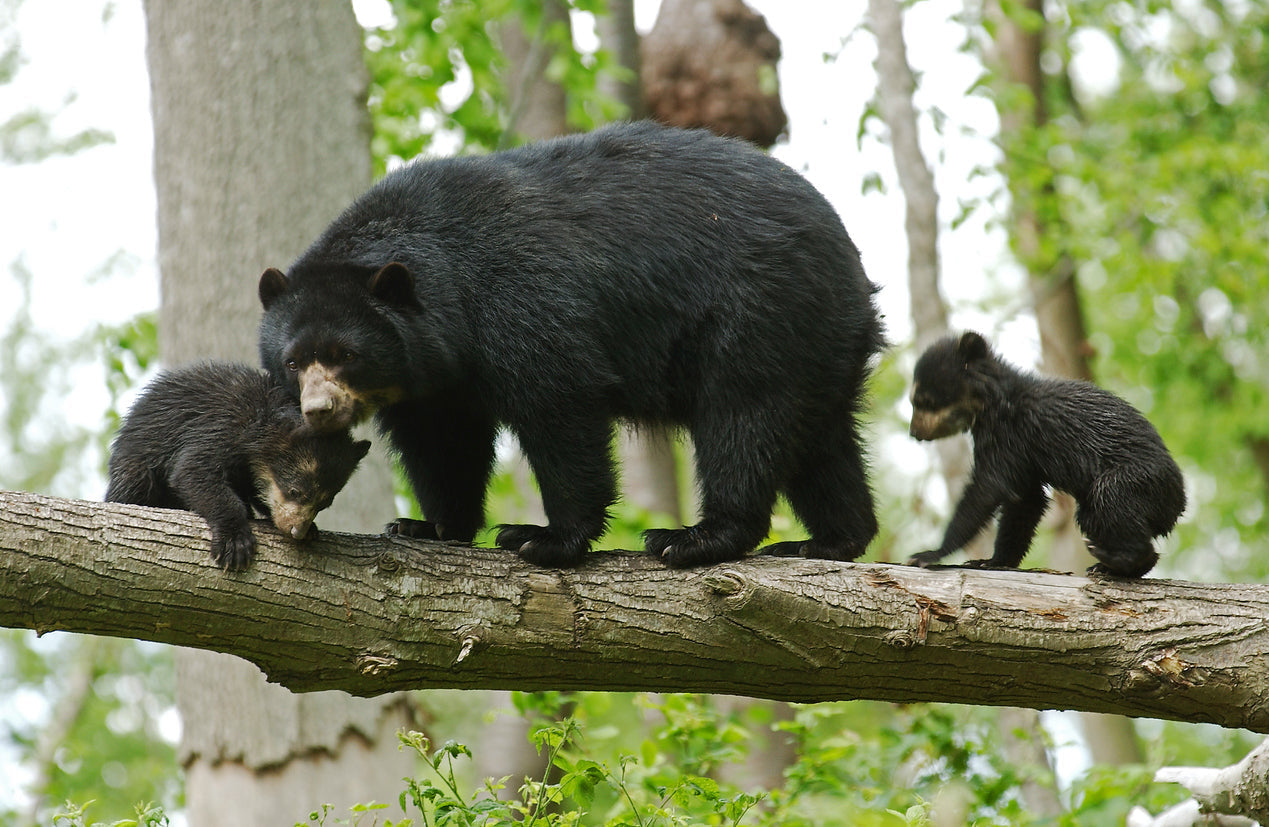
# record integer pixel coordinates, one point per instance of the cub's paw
(1127, 564)
(541, 545)
(413, 529)
(925, 559)
(681, 548)
(233, 550)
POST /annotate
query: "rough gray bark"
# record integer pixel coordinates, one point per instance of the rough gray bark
(369, 614)
(261, 138)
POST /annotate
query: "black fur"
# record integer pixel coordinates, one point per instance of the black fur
(1033, 433)
(638, 272)
(220, 440)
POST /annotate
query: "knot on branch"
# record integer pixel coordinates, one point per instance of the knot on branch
(903, 639)
(730, 584)
(469, 638)
(373, 665)
(1174, 670)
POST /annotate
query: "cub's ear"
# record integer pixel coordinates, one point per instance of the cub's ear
(972, 347)
(393, 284)
(272, 285)
(360, 447)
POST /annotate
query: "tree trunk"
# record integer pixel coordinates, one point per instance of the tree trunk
(1059, 316)
(538, 107)
(1021, 731)
(895, 88)
(261, 137)
(617, 34)
(1238, 790)
(372, 614)
(712, 64)
(649, 466)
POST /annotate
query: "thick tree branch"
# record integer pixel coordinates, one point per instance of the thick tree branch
(1235, 796)
(369, 614)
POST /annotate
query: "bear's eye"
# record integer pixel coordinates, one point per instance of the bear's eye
(349, 356)
(292, 365)
(294, 494)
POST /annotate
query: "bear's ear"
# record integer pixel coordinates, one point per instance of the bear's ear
(272, 285)
(360, 447)
(394, 284)
(972, 347)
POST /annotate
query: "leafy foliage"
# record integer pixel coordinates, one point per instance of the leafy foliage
(439, 71)
(147, 815)
(859, 764)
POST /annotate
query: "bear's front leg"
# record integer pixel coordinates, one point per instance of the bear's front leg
(571, 459)
(447, 453)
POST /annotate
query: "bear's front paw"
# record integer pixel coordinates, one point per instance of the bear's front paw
(692, 546)
(541, 545)
(233, 550)
(787, 548)
(812, 549)
(926, 559)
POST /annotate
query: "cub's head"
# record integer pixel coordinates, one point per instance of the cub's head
(304, 474)
(331, 339)
(945, 399)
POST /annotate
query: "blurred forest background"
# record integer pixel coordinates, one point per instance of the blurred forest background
(1083, 182)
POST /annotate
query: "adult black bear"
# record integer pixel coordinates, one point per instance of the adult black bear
(1031, 433)
(221, 439)
(638, 272)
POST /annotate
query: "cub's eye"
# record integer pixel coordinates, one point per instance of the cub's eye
(292, 365)
(294, 494)
(349, 356)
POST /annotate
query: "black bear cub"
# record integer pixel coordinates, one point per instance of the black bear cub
(638, 272)
(1030, 433)
(220, 440)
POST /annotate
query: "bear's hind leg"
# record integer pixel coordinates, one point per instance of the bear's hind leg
(1134, 561)
(1117, 535)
